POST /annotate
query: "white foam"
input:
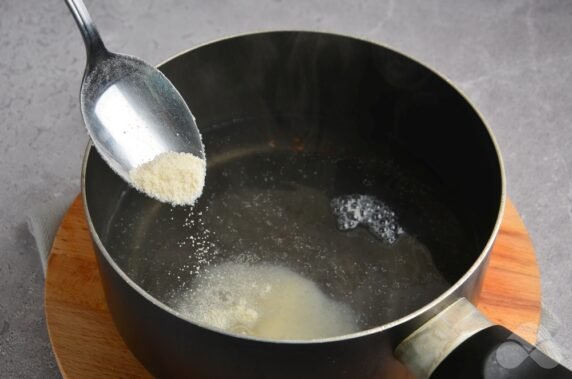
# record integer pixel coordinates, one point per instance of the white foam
(355, 210)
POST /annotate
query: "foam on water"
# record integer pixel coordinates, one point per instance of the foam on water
(355, 210)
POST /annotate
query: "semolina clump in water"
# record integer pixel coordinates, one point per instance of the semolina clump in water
(267, 301)
(171, 177)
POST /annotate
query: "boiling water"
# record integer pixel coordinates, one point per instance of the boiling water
(368, 228)
(264, 301)
(355, 210)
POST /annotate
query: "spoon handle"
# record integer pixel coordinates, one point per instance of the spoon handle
(91, 38)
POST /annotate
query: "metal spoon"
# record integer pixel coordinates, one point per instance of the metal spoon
(131, 110)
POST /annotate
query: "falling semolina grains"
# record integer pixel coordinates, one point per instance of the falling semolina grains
(171, 177)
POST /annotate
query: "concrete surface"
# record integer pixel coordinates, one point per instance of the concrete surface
(512, 58)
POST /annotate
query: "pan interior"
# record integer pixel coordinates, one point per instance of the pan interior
(269, 201)
(278, 153)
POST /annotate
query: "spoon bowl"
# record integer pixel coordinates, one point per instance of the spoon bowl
(131, 110)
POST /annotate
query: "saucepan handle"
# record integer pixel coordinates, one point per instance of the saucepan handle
(460, 342)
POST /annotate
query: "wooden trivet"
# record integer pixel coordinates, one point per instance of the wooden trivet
(87, 345)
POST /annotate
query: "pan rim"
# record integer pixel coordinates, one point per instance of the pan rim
(426, 309)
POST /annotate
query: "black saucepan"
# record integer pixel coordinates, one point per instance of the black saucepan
(294, 122)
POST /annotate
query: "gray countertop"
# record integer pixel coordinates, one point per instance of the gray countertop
(513, 59)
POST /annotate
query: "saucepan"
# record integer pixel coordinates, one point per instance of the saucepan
(334, 160)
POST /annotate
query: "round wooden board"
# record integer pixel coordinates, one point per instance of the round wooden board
(87, 345)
